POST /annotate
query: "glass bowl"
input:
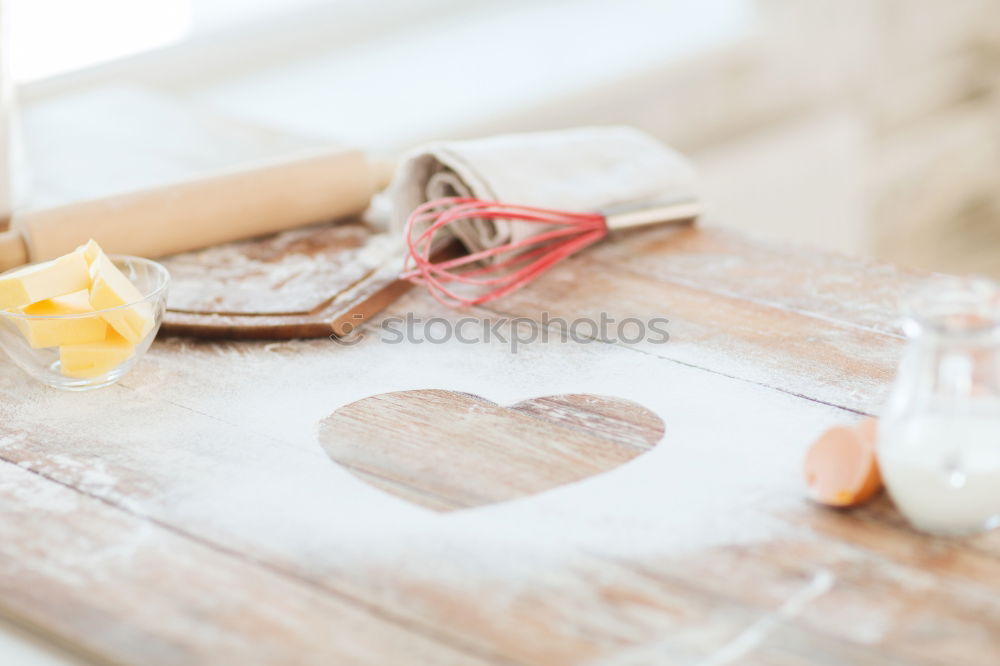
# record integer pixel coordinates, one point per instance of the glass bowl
(31, 340)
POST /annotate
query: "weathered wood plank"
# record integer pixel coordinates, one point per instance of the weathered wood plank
(592, 611)
(790, 338)
(447, 450)
(192, 464)
(125, 590)
(901, 611)
(704, 552)
(564, 613)
(846, 289)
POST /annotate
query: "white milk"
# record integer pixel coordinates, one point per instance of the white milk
(944, 473)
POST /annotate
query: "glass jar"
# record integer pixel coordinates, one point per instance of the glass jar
(939, 436)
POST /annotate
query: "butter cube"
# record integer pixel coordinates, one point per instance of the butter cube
(91, 251)
(93, 359)
(63, 331)
(109, 288)
(58, 277)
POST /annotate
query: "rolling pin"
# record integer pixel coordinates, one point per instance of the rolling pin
(233, 205)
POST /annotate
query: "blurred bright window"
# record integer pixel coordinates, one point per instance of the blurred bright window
(48, 38)
(52, 37)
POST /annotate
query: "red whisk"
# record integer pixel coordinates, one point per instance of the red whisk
(497, 271)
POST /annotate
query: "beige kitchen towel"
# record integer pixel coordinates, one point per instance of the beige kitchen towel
(588, 169)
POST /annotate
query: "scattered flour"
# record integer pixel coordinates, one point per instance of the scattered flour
(221, 440)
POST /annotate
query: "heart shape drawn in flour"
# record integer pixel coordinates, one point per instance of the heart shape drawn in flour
(447, 451)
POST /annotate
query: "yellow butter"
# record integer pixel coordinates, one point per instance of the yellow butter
(62, 331)
(32, 284)
(110, 288)
(91, 251)
(93, 359)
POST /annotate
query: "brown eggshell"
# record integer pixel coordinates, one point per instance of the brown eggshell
(840, 466)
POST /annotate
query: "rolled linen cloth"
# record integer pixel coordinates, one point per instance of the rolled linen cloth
(588, 169)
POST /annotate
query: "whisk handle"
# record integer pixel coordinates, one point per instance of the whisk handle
(681, 210)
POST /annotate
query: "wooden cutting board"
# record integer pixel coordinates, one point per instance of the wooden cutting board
(305, 283)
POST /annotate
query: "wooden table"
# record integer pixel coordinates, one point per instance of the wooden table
(189, 515)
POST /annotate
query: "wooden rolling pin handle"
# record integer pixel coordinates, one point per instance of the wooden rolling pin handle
(682, 210)
(252, 201)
